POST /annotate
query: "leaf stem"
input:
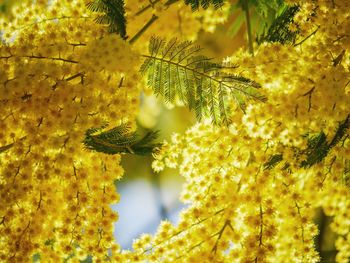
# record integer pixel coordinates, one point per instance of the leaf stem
(143, 29)
(151, 21)
(306, 38)
(249, 27)
(212, 78)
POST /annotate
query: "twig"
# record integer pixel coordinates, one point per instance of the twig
(143, 29)
(306, 38)
(151, 21)
(221, 231)
(249, 27)
(309, 94)
(9, 146)
(6, 147)
(41, 57)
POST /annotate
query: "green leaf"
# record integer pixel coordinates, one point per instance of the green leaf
(273, 161)
(236, 25)
(112, 14)
(279, 30)
(196, 4)
(120, 140)
(262, 14)
(177, 70)
(318, 147)
(268, 7)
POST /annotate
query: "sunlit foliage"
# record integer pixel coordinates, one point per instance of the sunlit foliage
(253, 181)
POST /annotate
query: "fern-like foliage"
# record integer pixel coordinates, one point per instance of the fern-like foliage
(279, 30)
(120, 140)
(318, 147)
(265, 7)
(177, 70)
(112, 14)
(262, 14)
(196, 4)
(273, 161)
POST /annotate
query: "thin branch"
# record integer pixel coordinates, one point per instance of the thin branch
(309, 94)
(221, 231)
(50, 19)
(41, 57)
(249, 27)
(9, 146)
(143, 29)
(186, 229)
(306, 38)
(80, 74)
(6, 147)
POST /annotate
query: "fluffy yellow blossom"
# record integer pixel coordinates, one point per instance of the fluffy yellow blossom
(55, 83)
(230, 187)
(252, 188)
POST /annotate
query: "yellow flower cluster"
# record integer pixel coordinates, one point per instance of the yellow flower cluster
(60, 75)
(110, 53)
(175, 20)
(240, 210)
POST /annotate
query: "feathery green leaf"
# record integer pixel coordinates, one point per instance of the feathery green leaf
(318, 147)
(120, 140)
(177, 70)
(273, 161)
(196, 4)
(279, 30)
(112, 14)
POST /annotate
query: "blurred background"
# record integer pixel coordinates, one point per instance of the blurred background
(148, 197)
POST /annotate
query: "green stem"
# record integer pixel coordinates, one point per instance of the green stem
(306, 38)
(151, 21)
(143, 29)
(249, 27)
